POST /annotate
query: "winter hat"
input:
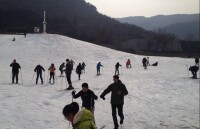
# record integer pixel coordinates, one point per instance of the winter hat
(72, 108)
(116, 77)
(67, 59)
(85, 85)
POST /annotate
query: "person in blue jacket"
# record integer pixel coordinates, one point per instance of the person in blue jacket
(98, 68)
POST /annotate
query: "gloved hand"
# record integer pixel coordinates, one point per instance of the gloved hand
(73, 92)
(101, 96)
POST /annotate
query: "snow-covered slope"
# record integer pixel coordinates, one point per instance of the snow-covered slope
(159, 97)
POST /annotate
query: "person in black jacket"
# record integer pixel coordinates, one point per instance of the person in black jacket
(117, 68)
(144, 62)
(39, 70)
(194, 70)
(197, 61)
(118, 91)
(68, 72)
(61, 69)
(15, 70)
(87, 97)
(79, 70)
(155, 64)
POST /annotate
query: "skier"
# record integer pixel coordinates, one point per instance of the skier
(144, 62)
(197, 61)
(98, 68)
(118, 91)
(128, 63)
(82, 119)
(15, 71)
(87, 97)
(147, 61)
(61, 69)
(79, 70)
(39, 70)
(83, 66)
(52, 73)
(72, 63)
(194, 70)
(117, 68)
(68, 72)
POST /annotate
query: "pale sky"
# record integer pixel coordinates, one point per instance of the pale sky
(147, 8)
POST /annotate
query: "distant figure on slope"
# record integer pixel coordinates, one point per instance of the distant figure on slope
(128, 63)
(72, 63)
(15, 71)
(79, 70)
(197, 61)
(117, 68)
(194, 70)
(98, 68)
(87, 97)
(118, 91)
(155, 64)
(13, 39)
(39, 70)
(83, 67)
(148, 61)
(52, 73)
(144, 62)
(61, 69)
(25, 34)
(68, 72)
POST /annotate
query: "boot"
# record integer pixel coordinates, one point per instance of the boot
(70, 87)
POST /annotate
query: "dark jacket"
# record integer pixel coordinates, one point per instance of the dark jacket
(114, 88)
(68, 69)
(99, 65)
(83, 65)
(15, 67)
(117, 65)
(78, 69)
(39, 69)
(144, 60)
(87, 98)
(62, 66)
(196, 60)
(193, 68)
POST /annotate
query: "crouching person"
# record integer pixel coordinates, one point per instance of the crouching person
(194, 70)
(82, 119)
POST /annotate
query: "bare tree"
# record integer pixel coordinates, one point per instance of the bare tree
(161, 38)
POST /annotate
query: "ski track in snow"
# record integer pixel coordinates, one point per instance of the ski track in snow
(161, 97)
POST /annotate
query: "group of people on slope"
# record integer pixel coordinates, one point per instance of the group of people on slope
(117, 65)
(68, 71)
(84, 118)
(38, 69)
(145, 62)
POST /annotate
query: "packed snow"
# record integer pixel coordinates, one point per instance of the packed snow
(162, 97)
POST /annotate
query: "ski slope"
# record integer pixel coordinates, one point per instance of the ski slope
(162, 97)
